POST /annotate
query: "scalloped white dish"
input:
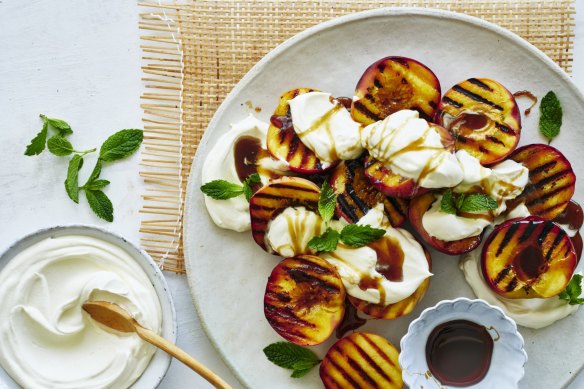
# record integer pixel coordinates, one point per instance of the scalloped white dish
(508, 358)
(227, 271)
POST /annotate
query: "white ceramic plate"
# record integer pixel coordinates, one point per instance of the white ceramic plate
(160, 362)
(227, 271)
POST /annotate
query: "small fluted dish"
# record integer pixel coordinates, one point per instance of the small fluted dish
(508, 359)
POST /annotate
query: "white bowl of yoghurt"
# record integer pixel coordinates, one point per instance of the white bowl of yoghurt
(49, 341)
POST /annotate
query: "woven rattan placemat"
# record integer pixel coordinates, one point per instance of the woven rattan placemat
(193, 55)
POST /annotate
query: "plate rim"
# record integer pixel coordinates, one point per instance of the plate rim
(258, 67)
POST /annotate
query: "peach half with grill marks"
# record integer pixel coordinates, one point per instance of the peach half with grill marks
(361, 360)
(304, 300)
(356, 195)
(392, 84)
(528, 258)
(483, 117)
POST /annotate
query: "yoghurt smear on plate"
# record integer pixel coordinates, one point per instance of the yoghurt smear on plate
(48, 340)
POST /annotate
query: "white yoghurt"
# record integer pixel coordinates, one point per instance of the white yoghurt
(449, 227)
(504, 181)
(48, 341)
(289, 232)
(533, 313)
(354, 264)
(325, 127)
(412, 148)
(233, 213)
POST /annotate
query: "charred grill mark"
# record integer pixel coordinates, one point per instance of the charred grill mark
(370, 97)
(507, 238)
(432, 104)
(502, 274)
(342, 371)
(305, 157)
(261, 208)
(274, 314)
(399, 208)
(504, 128)
(483, 150)
(461, 139)
(293, 146)
(283, 297)
(300, 276)
(542, 168)
(360, 371)
(355, 197)
(480, 84)
(547, 227)
(314, 267)
(381, 67)
(452, 102)
(347, 208)
(264, 195)
(404, 81)
(359, 106)
(542, 199)
(559, 237)
(379, 351)
(512, 284)
(554, 177)
(377, 83)
(476, 97)
(529, 229)
(496, 140)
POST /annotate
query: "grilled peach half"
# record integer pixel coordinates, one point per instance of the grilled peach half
(283, 142)
(400, 308)
(356, 195)
(304, 300)
(361, 360)
(392, 84)
(552, 181)
(527, 258)
(483, 117)
(272, 199)
(393, 184)
(418, 207)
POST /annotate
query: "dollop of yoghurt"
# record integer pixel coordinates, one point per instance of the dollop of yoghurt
(504, 181)
(233, 213)
(533, 313)
(289, 232)
(412, 148)
(355, 264)
(325, 127)
(48, 341)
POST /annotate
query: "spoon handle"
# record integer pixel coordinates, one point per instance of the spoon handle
(182, 356)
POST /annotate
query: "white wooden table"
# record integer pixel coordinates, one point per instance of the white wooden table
(80, 61)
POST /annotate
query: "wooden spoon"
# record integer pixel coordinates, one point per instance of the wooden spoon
(115, 317)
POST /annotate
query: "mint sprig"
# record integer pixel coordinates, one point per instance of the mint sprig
(293, 357)
(355, 235)
(223, 189)
(327, 202)
(475, 202)
(120, 145)
(573, 291)
(550, 119)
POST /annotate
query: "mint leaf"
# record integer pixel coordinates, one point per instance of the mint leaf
(327, 202)
(72, 180)
(96, 184)
(326, 242)
(357, 235)
(459, 200)
(121, 145)
(291, 356)
(95, 172)
(37, 144)
(100, 204)
(59, 146)
(476, 202)
(550, 119)
(221, 189)
(248, 183)
(62, 126)
(447, 203)
(573, 291)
